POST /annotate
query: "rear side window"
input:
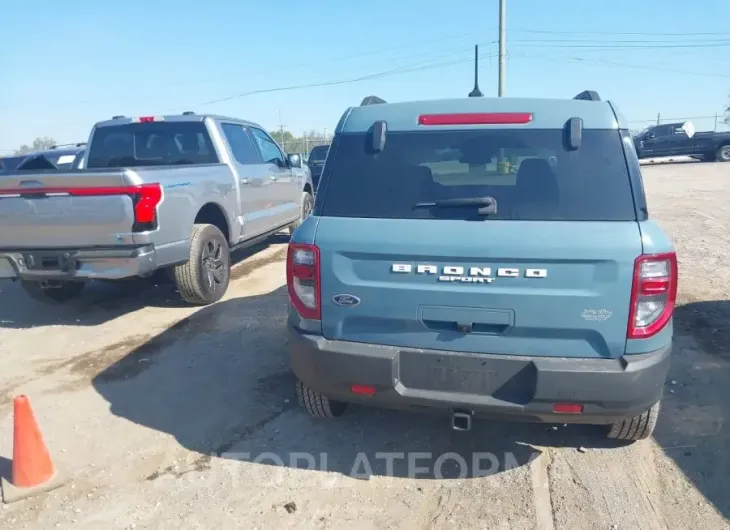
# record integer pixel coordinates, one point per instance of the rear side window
(319, 153)
(529, 172)
(151, 144)
(242, 147)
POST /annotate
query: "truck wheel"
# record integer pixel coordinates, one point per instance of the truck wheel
(307, 204)
(636, 428)
(723, 153)
(53, 292)
(204, 278)
(317, 405)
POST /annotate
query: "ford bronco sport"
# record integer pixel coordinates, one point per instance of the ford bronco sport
(485, 257)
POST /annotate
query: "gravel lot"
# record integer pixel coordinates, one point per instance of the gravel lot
(162, 415)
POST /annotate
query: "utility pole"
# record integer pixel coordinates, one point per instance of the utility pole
(502, 43)
(281, 132)
(658, 117)
(716, 122)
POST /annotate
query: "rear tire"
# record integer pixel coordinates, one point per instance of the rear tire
(637, 428)
(307, 204)
(204, 278)
(723, 153)
(66, 291)
(317, 405)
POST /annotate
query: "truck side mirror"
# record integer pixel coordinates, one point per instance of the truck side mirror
(295, 160)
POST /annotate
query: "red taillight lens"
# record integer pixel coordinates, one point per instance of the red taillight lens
(476, 118)
(653, 294)
(303, 280)
(147, 197)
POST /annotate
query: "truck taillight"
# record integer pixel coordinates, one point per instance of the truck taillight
(653, 294)
(146, 198)
(303, 280)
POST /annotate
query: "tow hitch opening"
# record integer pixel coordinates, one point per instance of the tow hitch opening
(461, 420)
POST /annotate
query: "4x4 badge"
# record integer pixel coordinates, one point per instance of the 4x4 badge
(346, 300)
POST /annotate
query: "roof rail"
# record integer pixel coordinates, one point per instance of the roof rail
(372, 100)
(117, 117)
(188, 113)
(588, 95)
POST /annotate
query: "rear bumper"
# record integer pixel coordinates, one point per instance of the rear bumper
(497, 386)
(77, 264)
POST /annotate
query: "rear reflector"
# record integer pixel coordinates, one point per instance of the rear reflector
(568, 408)
(363, 390)
(478, 118)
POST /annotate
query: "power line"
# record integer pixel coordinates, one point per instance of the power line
(635, 33)
(622, 65)
(376, 75)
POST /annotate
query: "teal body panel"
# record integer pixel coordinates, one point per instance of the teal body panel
(579, 309)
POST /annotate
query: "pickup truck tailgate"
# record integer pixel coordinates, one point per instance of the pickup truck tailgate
(64, 209)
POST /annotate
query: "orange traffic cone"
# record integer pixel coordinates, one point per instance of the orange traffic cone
(33, 470)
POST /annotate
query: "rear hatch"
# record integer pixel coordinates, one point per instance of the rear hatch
(548, 274)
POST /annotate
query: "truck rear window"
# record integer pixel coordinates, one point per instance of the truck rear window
(319, 153)
(151, 144)
(530, 173)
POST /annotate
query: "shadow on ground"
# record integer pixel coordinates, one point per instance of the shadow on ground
(220, 383)
(692, 428)
(104, 301)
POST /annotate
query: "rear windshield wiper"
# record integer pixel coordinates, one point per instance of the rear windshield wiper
(488, 205)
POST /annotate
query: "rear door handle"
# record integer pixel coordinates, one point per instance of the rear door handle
(245, 181)
(273, 177)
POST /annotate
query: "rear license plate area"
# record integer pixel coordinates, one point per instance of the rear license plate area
(509, 379)
(50, 261)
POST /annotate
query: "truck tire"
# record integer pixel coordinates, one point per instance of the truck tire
(204, 278)
(66, 291)
(307, 204)
(317, 405)
(723, 153)
(636, 428)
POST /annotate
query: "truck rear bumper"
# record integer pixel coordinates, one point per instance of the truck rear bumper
(497, 386)
(77, 264)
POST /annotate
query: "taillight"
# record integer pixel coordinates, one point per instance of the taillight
(476, 118)
(146, 197)
(653, 294)
(303, 280)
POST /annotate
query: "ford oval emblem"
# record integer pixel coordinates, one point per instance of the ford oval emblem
(346, 300)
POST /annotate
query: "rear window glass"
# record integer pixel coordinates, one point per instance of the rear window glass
(529, 173)
(319, 153)
(151, 144)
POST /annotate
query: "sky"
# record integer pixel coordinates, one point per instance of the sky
(65, 65)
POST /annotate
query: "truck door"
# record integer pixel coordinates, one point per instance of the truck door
(281, 204)
(657, 143)
(251, 174)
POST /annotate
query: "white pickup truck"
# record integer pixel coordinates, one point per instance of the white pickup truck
(169, 192)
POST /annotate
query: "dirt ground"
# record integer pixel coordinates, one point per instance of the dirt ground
(164, 416)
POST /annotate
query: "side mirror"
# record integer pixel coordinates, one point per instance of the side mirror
(295, 160)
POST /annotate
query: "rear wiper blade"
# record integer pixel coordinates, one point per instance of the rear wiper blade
(488, 204)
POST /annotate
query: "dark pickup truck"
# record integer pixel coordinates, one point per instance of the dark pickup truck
(679, 139)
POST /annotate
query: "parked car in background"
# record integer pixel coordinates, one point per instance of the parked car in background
(315, 162)
(171, 192)
(680, 139)
(9, 163)
(54, 158)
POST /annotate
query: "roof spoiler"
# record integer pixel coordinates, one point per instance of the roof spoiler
(372, 100)
(588, 95)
